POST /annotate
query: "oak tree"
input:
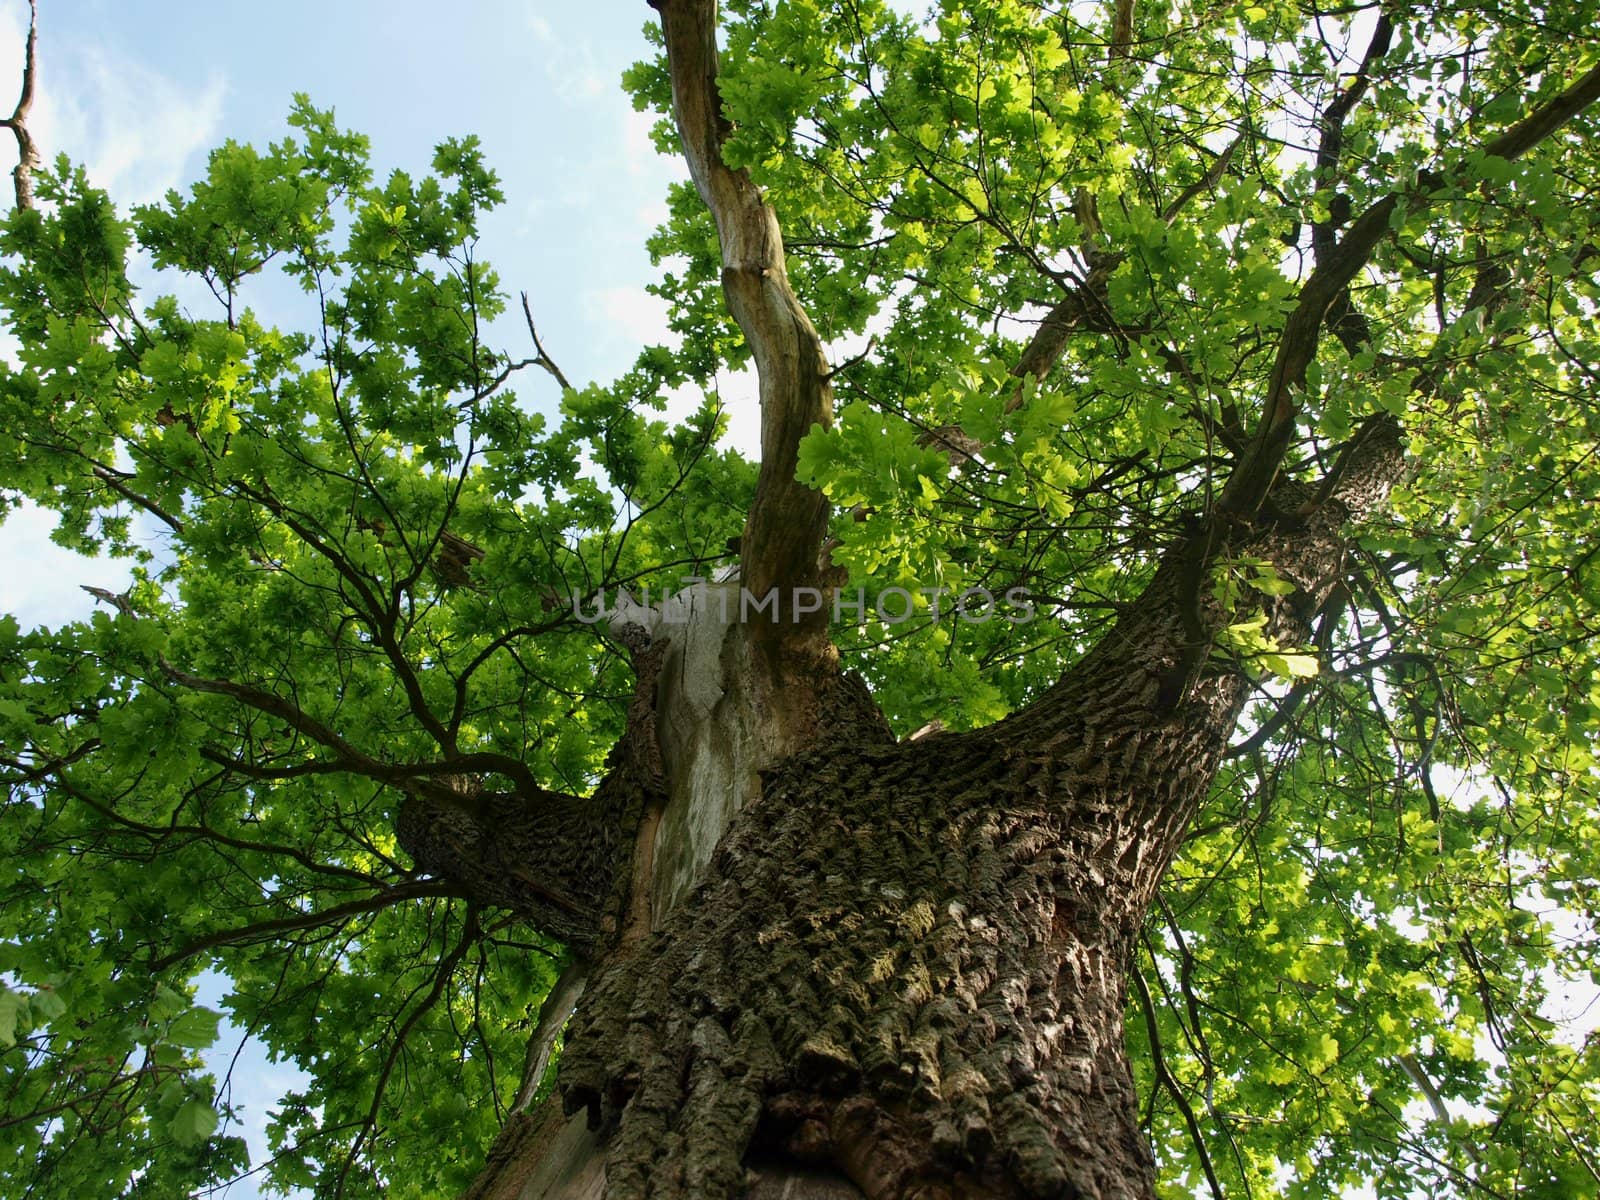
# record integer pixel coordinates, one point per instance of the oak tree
(1128, 732)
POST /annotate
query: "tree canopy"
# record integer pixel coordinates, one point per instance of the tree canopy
(1088, 273)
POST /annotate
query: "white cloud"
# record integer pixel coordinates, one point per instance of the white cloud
(575, 72)
(540, 27)
(631, 313)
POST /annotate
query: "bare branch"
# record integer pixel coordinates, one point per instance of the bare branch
(17, 122)
(553, 1013)
(540, 358)
(1084, 307)
(787, 521)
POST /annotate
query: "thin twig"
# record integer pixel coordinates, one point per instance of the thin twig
(541, 359)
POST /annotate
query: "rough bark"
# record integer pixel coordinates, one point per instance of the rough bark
(900, 966)
(563, 862)
(904, 970)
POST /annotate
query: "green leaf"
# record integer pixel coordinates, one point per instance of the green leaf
(12, 1006)
(193, 1123)
(47, 1004)
(195, 1029)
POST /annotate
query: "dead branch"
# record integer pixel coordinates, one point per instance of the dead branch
(787, 521)
(17, 122)
(540, 358)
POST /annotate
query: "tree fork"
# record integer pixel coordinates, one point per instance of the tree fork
(906, 966)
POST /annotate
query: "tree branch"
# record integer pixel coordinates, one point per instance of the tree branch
(1332, 141)
(351, 759)
(17, 122)
(1165, 1078)
(1251, 480)
(441, 979)
(787, 521)
(1213, 175)
(558, 1004)
(109, 478)
(1084, 307)
(311, 920)
(540, 358)
(208, 834)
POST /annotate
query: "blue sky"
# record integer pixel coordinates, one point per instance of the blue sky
(139, 92)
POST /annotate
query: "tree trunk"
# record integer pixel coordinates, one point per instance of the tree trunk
(905, 962)
(902, 972)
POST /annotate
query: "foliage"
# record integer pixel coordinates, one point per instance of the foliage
(362, 523)
(314, 494)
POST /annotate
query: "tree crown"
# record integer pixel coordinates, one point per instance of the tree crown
(1096, 281)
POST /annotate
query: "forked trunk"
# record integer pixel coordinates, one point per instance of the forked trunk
(902, 973)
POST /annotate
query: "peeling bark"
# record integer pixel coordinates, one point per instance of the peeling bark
(787, 523)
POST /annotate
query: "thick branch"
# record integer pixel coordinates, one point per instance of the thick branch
(17, 122)
(1344, 320)
(787, 521)
(350, 758)
(1547, 118)
(1121, 28)
(311, 920)
(1084, 307)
